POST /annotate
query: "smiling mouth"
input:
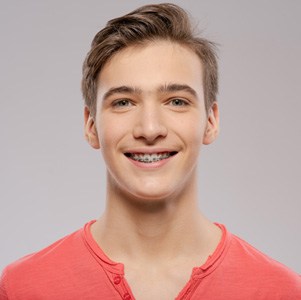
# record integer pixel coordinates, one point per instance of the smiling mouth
(150, 157)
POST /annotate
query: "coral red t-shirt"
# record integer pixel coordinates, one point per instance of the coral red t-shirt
(75, 267)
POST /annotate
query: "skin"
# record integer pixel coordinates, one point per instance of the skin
(150, 99)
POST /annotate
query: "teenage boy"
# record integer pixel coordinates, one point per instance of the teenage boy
(150, 88)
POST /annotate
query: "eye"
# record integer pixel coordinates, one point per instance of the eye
(178, 102)
(122, 103)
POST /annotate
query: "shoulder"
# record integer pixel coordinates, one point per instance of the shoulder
(250, 256)
(40, 268)
(56, 251)
(260, 270)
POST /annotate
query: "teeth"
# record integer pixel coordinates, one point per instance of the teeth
(150, 157)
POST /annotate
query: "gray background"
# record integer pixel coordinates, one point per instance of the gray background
(52, 182)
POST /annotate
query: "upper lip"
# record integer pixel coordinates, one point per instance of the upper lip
(149, 150)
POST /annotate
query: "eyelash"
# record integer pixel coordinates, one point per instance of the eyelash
(125, 103)
(118, 103)
(179, 100)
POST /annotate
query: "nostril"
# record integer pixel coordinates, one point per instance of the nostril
(149, 129)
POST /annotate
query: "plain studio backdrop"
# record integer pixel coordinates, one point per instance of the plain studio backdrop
(52, 182)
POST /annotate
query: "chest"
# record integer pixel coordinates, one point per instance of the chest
(152, 284)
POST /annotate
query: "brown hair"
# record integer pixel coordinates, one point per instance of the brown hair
(145, 24)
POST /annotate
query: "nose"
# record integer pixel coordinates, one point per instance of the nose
(150, 125)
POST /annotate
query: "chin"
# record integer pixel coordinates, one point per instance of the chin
(153, 193)
(149, 202)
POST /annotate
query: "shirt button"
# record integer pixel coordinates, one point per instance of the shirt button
(127, 296)
(117, 279)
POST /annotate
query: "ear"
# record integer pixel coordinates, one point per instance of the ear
(90, 129)
(212, 128)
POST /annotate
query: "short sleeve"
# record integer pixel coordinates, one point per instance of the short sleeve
(3, 285)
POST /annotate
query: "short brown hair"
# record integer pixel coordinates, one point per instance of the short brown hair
(145, 24)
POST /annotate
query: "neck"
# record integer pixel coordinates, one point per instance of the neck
(156, 230)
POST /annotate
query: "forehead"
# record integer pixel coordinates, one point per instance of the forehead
(151, 65)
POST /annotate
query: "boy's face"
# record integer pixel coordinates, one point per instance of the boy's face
(151, 121)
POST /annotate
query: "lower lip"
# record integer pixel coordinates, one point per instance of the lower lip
(153, 165)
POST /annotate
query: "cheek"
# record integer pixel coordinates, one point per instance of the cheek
(110, 130)
(192, 129)
(195, 139)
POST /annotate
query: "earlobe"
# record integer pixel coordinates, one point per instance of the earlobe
(90, 129)
(212, 128)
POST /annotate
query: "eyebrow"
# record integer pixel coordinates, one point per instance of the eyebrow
(167, 88)
(175, 87)
(121, 90)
